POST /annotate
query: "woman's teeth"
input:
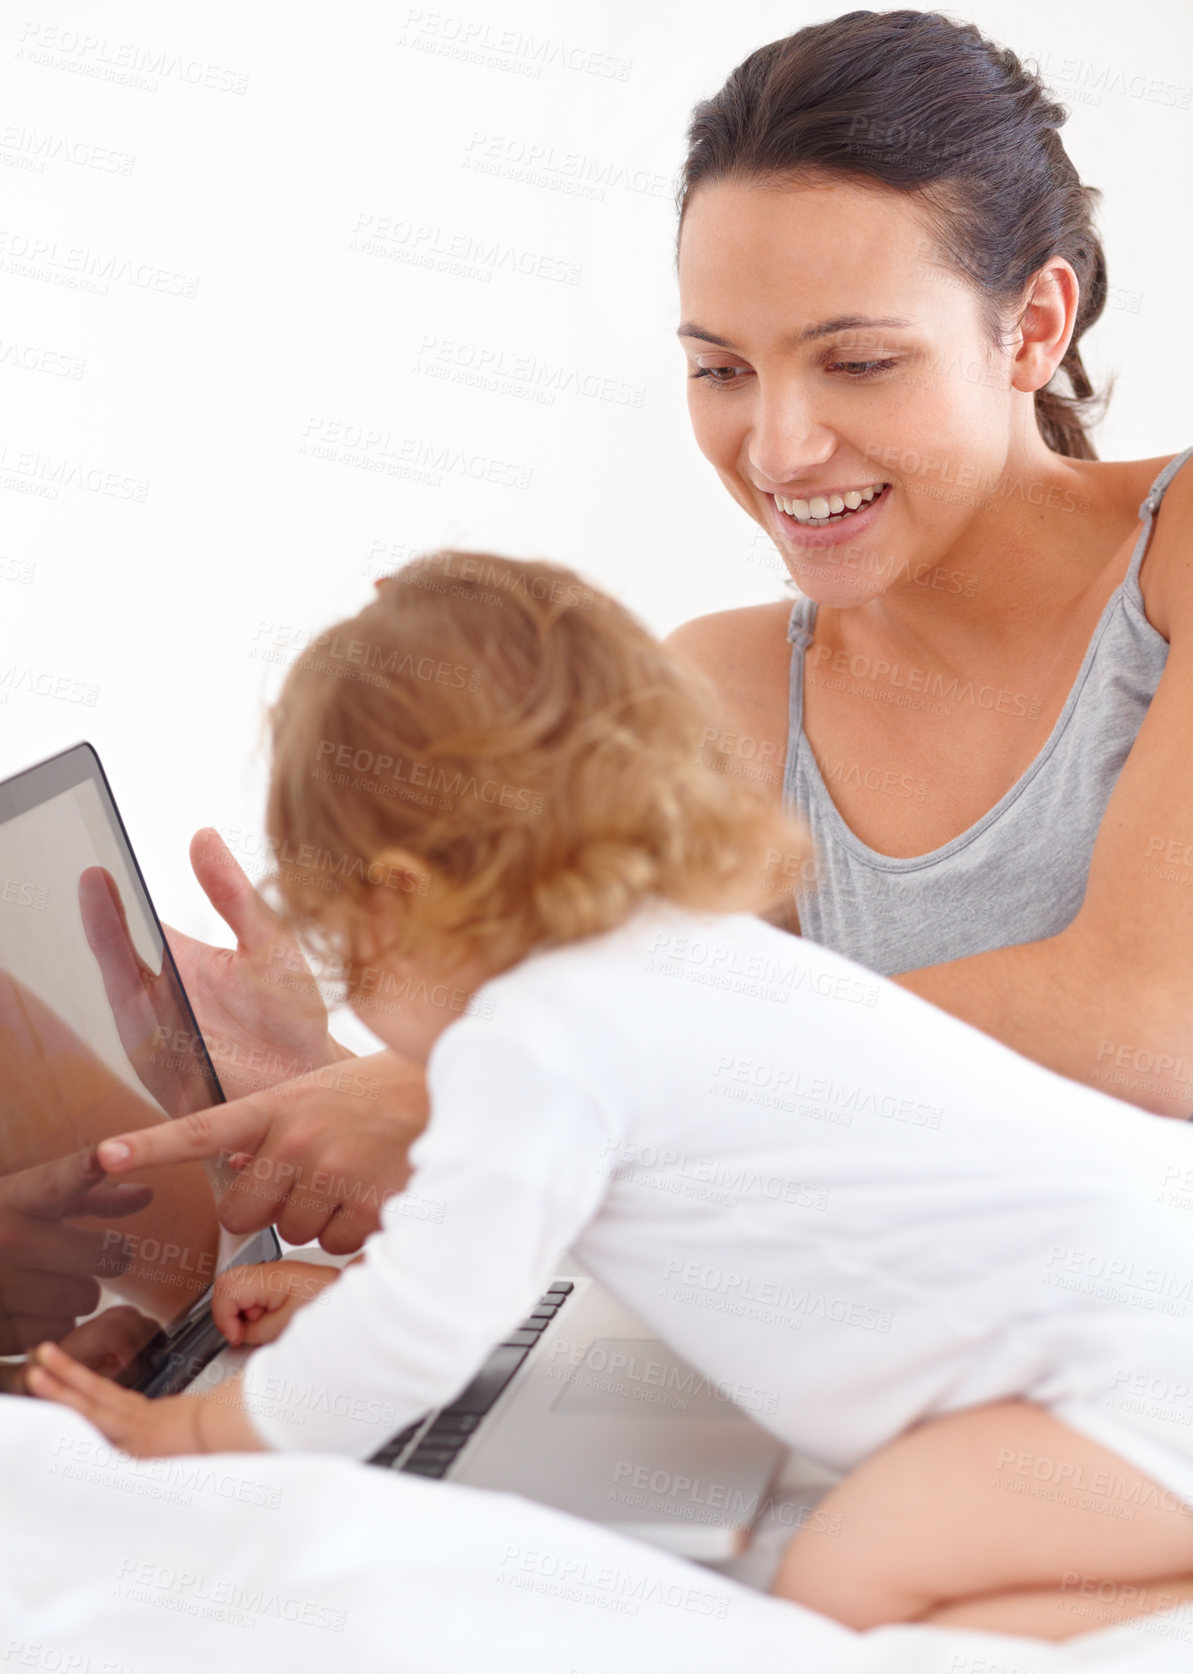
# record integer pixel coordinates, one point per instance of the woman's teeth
(820, 511)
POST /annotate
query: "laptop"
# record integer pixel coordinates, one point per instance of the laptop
(581, 1407)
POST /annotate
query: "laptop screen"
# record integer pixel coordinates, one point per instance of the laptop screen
(96, 1037)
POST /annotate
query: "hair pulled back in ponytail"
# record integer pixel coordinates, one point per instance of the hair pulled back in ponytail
(919, 103)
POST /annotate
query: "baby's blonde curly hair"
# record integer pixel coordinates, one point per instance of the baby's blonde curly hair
(533, 746)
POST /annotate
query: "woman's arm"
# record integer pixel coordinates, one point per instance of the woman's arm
(258, 1005)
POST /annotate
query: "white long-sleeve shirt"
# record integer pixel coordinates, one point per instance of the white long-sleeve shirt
(848, 1207)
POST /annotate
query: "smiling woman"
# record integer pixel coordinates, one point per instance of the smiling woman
(886, 264)
(980, 697)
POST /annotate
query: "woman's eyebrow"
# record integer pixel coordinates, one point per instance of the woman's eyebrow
(826, 328)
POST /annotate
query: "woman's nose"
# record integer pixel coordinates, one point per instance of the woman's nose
(786, 438)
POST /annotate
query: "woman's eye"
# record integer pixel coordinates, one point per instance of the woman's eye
(861, 368)
(713, 371)
(853, 369)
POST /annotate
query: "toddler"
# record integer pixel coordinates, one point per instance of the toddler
(950, 1270)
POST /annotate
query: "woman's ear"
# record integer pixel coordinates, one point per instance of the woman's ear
(1046, 325)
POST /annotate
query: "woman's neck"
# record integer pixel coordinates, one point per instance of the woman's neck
(1040, 537)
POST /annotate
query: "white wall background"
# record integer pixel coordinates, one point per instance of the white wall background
(309, 173)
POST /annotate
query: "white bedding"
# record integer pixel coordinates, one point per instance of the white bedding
(288, 1563)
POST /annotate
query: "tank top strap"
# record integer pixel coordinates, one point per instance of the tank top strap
(1148, 507)
(799, 637)
(799, 623)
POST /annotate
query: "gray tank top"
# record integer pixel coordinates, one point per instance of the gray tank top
(1020, 873)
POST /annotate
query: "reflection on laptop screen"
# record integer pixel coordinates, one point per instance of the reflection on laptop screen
(96, 1037)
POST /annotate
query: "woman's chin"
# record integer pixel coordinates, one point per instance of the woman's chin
(836, 584)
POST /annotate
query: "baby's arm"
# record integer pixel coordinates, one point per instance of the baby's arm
(946, 1513)
(511, 1168)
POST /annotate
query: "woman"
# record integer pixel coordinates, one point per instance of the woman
(886, 263)
(887, 260)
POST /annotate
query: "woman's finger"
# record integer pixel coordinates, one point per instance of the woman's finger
(230, 890)
(238, 1126)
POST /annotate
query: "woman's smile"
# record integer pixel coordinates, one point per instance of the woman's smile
(827, 520)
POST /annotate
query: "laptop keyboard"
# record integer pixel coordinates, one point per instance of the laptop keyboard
(431, 1445)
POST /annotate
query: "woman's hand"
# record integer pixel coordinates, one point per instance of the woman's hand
(317, 1157)
(254, 1303)
(130, 1421)
(257, 1005)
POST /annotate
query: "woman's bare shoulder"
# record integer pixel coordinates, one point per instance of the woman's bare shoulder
(728, 639)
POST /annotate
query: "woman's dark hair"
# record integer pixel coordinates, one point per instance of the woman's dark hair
(919, 103)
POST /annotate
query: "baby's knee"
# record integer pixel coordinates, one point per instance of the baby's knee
(807, 1570)
(828, 1573)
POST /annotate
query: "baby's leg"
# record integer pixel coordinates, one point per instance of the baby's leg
(953, 1509)
(1083, 1603)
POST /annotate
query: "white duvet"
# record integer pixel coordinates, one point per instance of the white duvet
(278, 1564)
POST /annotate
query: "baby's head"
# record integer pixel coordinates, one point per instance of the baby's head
(494, 757)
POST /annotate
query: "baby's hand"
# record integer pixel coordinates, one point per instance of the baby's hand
(253, 1303)
(134, 1424)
